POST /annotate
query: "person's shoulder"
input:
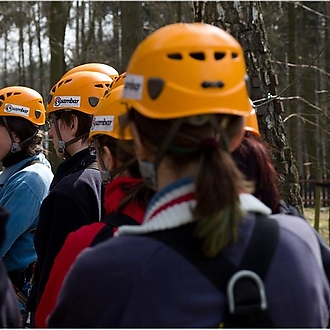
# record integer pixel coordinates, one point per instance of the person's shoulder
(36, 173)
(30, 181)
(33, 170)
(296, 230)
(84, 177)
(79, 180)
(286, 208)
(128, 252)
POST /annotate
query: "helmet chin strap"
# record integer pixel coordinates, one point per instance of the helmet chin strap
(15, 146)
(62, 145)
(106, 175)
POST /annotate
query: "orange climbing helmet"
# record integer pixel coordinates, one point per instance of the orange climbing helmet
(94, 67)
(251, 122)
(81, 91)
(21, 101)
(105, 119)
(187, 69)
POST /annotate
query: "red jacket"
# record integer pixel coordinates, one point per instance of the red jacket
(79, 240)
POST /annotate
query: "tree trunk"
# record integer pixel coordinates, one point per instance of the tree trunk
(244, 21)
(199, 12)
(83, 55)
(31, 57)
(77, 34)
(178, 11)
(57, 21)
(117, 63)
(327, 69)
(132, 28)
(5, 65)
(21, 66)
(308, 87)
(90, 42)
(293, 124)
(43, 87)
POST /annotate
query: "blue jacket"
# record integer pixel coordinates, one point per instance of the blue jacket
(22, 193)
(134, 281)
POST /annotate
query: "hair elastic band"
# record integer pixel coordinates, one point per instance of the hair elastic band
(209, 143)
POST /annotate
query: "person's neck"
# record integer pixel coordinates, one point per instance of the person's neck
(166, 175)
(76, 147)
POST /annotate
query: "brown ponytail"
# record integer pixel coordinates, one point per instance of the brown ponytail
(218, 181)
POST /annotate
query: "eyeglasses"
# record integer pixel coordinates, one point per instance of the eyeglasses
(51, 121)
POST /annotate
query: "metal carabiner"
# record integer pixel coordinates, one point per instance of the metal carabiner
(238, 276)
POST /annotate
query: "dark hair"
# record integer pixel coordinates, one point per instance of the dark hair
(84, 121)
(253, 159)
(123, 151)
(24, 130)
(218, 180)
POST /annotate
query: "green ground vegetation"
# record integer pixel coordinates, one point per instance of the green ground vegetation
(324, 223)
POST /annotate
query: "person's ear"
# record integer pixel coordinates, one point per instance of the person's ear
(16, 138)
(238, 138)
(74, 125)
(108, 159)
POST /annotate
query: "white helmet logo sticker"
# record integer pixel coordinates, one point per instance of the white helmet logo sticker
(16, 109)
(67, 101)
(133, 87)
(102, 123)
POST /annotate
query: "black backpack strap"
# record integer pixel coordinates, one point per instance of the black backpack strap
(262, 246)
(247, 301)
(219, 270)
(117, 219)
(113, 220)
(181, 239)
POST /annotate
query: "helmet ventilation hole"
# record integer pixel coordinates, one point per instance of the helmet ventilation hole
(212, 84)
(50, 96)
(175, 56)
(234, 55)
(200, 56)
(2, 97)
(219, 56)
(65, 82)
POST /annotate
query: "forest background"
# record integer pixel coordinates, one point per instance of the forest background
(286, 46)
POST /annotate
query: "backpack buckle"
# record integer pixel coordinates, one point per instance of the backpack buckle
(246, 293)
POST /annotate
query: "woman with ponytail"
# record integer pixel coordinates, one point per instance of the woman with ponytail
(207, 254)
